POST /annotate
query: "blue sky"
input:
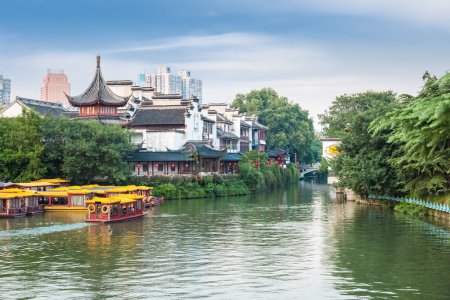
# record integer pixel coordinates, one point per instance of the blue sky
(308, 51)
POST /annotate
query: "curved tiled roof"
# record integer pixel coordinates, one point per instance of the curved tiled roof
(97, 92)
(226, 135)
(159, 156)
(159, 116)
(43, 107)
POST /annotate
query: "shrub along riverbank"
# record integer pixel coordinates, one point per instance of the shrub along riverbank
(255, 175)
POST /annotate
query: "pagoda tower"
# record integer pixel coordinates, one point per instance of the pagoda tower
(98, 101)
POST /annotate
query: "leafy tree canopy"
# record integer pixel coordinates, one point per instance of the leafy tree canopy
(290, 127)
(21, 148)
(420, 132)
(363, 162)
(33, 147)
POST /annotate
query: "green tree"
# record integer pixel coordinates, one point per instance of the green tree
(363, 164)
(21, 148)
(95, 150)
(290, 127)
(420, 133)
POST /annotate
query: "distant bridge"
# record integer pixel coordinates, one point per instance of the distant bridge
(306, 169)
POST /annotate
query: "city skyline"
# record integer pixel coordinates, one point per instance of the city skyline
(308, 52)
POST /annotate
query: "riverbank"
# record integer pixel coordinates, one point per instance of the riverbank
(251, 179)
(407, 206)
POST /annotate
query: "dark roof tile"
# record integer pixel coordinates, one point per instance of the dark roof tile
(97, 92)
(158, 116)
(159, 156)
(226, 135)
(43, 107)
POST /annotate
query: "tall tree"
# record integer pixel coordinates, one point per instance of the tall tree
(420, 131)
(363, 164)
(32, 147)
(21, 148)
(290, 127)
(94, 150)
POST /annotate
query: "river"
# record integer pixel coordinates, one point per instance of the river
(297, 243)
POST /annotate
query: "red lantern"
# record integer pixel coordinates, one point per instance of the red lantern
(172, 165)
(156, 165)
(138, 166)
(229, 164)
(269, 163)
(257, 164)
(186, 165)
(277, 164)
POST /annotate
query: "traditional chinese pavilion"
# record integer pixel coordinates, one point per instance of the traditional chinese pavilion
(98, 101)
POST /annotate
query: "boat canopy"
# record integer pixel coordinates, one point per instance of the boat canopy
(122, 199)
(11, 190)
(54, 180)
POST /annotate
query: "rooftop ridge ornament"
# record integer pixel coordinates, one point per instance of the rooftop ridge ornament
(97, 93)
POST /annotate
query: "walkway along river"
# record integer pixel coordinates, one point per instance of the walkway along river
(297, 243)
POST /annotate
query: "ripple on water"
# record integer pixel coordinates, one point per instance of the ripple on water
(297, 245)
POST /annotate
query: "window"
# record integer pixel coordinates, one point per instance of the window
(77, 200)
(114, 210)
(172, 167)
(160, 167)
(43, 200)
(59, 201)
(145, 167)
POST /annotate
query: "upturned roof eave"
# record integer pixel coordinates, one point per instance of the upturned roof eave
(93, 102)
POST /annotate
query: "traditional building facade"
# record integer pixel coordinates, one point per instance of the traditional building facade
(14, 109)
(171, 134)
(98, 101)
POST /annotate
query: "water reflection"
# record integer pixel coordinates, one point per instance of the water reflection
(289, 243)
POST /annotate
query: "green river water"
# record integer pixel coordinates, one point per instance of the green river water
(297, 243)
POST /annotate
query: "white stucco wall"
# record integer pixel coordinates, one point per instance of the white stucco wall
(194, 124)
(139, 136)
(12, 111)
(163, 140)
(121, 90)
(166, 102)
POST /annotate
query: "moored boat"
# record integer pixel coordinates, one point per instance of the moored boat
(116, 208)
(68, 200)
(11, 205)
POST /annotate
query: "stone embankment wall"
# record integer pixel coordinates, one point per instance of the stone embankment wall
(433, 209)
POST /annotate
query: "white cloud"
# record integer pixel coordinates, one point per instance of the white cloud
(312, 74)
(432, 13)
(422, 12)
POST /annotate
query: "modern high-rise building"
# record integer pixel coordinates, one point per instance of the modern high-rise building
(190, 86)
(165, 82)
(5, 90)
(54, 86)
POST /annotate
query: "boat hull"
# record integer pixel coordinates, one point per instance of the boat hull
(5, 216)
(64, 208)
(125, 218)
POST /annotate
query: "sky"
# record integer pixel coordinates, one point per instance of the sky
(308, 51)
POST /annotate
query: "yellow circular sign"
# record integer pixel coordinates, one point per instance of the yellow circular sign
(333, 150)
